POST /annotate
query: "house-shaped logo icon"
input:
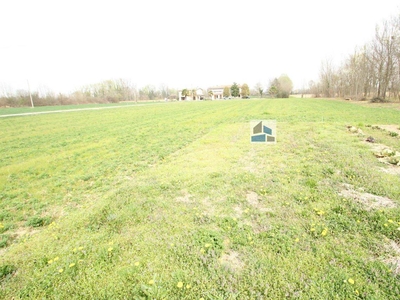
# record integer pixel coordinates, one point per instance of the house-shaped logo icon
(263, 131)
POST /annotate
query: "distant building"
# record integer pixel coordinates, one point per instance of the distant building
(194, 94)
(217, 92)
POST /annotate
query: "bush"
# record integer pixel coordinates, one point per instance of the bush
(378, 100)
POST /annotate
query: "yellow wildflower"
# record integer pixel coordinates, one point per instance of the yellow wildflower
(57, 258)
(71, 265)
(61, 270)
(324, 232)
(151, 281)
(207, 245)
(180, 284)
(50, 262)
(188, 286)
(390, 221)
(297, 240)
(136, 263)
(351, 280)
(110, 249)
(202, 250)
(385, 225)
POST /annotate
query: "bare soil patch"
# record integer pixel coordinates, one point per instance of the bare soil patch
(252, 198)
(232, 261)
(395, 260)
(390, 128)
(185, 198)
(367, 200)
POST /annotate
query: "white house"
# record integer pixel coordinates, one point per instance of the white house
(194, 94)
(217, 92)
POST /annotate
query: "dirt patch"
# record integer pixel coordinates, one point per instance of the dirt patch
(394, 261)
(252, 198)
(385, 154)
(238, 210)
(232, 261)
(394, 170)
(185, 198)
(369, 201)
(390, 128)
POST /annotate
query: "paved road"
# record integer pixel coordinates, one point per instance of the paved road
(71, 110)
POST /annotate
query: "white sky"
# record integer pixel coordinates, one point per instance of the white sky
(63, 45)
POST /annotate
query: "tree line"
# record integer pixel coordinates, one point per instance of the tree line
(371, 72)
(108, 91)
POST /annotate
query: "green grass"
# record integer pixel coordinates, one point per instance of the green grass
(129, 203)
(22, 110)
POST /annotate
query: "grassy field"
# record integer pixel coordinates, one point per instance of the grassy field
(172, 201)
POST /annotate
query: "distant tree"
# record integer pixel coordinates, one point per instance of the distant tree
(273, 89)
(259, 88)
(245, 90)
(185, 93)
(210, 94)
(285, 86)
(227, 92)
(235, 90)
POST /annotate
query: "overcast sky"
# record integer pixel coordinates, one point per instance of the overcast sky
(63, 45)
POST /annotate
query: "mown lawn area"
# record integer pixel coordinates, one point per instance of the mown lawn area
(172, 201)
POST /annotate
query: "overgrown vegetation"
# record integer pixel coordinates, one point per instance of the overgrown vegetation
(173, 202)
(372, 71)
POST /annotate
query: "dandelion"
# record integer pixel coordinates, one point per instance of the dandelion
(151, 281)
(207, 245)
(61, 270)
(312, 229)
(180, 284)
(172, 244)
(111, 243)
(351, 280)
(249, 238)
(390, 221)
(71, 265)
(188, 286)
(202, 250)
(110, 249)
(57, 258)
(386, 225)
(324, 232)
(358, 221)
(80, 248)
(357, 292)
(50, 262)
(1, 225)
(136, 264)
(74, 250)
(398, 228)
(297, 240)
